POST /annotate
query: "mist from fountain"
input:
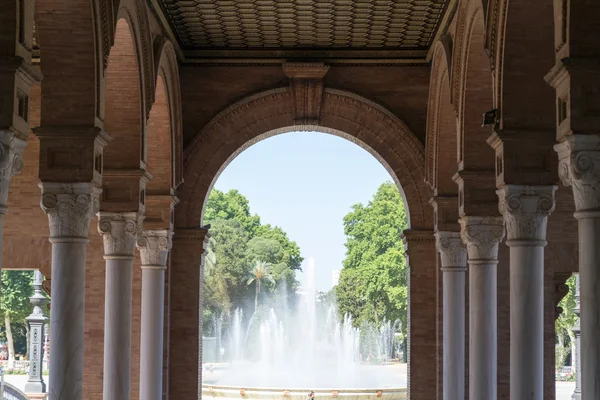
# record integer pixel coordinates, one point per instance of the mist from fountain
(303, 350)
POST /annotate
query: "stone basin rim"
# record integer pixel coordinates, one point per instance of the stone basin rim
(316, 390)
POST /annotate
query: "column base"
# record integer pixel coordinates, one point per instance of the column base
(576, 396)
(37, 396)
(35, 387)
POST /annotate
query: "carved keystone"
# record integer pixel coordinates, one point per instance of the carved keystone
(306, 82)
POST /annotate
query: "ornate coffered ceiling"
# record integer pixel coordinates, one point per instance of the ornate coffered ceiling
(304, 29)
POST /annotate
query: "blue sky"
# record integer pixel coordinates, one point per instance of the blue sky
(306, 182)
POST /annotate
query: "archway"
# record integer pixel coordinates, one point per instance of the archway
(302, 188)
(342, 113)
(257, 117)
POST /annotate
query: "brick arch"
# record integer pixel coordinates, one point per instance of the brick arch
(166, 68)
(522, 53)
(348, 115)
(71, 38)
(124, 116)
(135, 14)
(441, 147)
(472, 85)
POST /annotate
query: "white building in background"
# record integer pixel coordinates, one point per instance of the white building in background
(335, 277)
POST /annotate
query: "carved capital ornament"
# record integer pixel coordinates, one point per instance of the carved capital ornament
(579, 167)
(70, 207)
(482, 236)
(154, 246)
(11, 163)
(452, 249)
(119, 233)
(526, 210)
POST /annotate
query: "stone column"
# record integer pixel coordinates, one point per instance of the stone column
(577, 331)
(154, 246)
(119, 233)
(37, 321)
(453, 254)
(526, 210)
(70, 207)
(482, 236)
(579, 167)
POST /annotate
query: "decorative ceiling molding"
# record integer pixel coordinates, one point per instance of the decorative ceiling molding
(279, 56)
(239, 29)
(306, 82)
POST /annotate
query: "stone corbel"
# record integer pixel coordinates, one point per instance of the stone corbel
(306, 83)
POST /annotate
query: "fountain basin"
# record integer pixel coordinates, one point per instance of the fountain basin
(249, 393)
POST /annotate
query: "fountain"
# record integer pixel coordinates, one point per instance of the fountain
(286, 355)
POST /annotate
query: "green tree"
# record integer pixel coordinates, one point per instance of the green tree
(565, 323)
(272, 252)
(291, 250)
(231, 206)
(373, 282)
(261, 272)
(17, 287)
(226, 268)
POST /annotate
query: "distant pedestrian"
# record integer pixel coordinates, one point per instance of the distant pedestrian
(311, 395)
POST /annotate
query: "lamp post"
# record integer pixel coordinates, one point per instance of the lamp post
(37, 320)
(576, 330)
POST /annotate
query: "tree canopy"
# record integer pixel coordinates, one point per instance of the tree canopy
(238, 242)
(373, 282)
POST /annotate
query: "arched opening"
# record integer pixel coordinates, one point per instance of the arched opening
(474, 152)
(446, 150)
(160, 161)
(295, 332)
(124, 116)
(123, 184)
(349, 115)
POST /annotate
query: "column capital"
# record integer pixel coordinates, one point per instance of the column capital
(70, 207)
(452, 249)
(482, 236)
(526, 210)
(119, 233)
(154, 246)
(579, 167)
(11, 162)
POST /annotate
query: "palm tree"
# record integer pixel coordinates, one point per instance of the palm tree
(260, 272)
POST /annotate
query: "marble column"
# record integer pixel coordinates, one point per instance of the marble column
(482, 236)
(70, 207)
(579, 167)
(37, 321)
(154, 246)
(119, 233)
(453, 254)
(526, 210)
(577, 331)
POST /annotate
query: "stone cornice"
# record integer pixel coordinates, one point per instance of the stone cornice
(579, 167)
(119, 233)
(70, 207)
(526, 210)
(482, 236)
(191, 235)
